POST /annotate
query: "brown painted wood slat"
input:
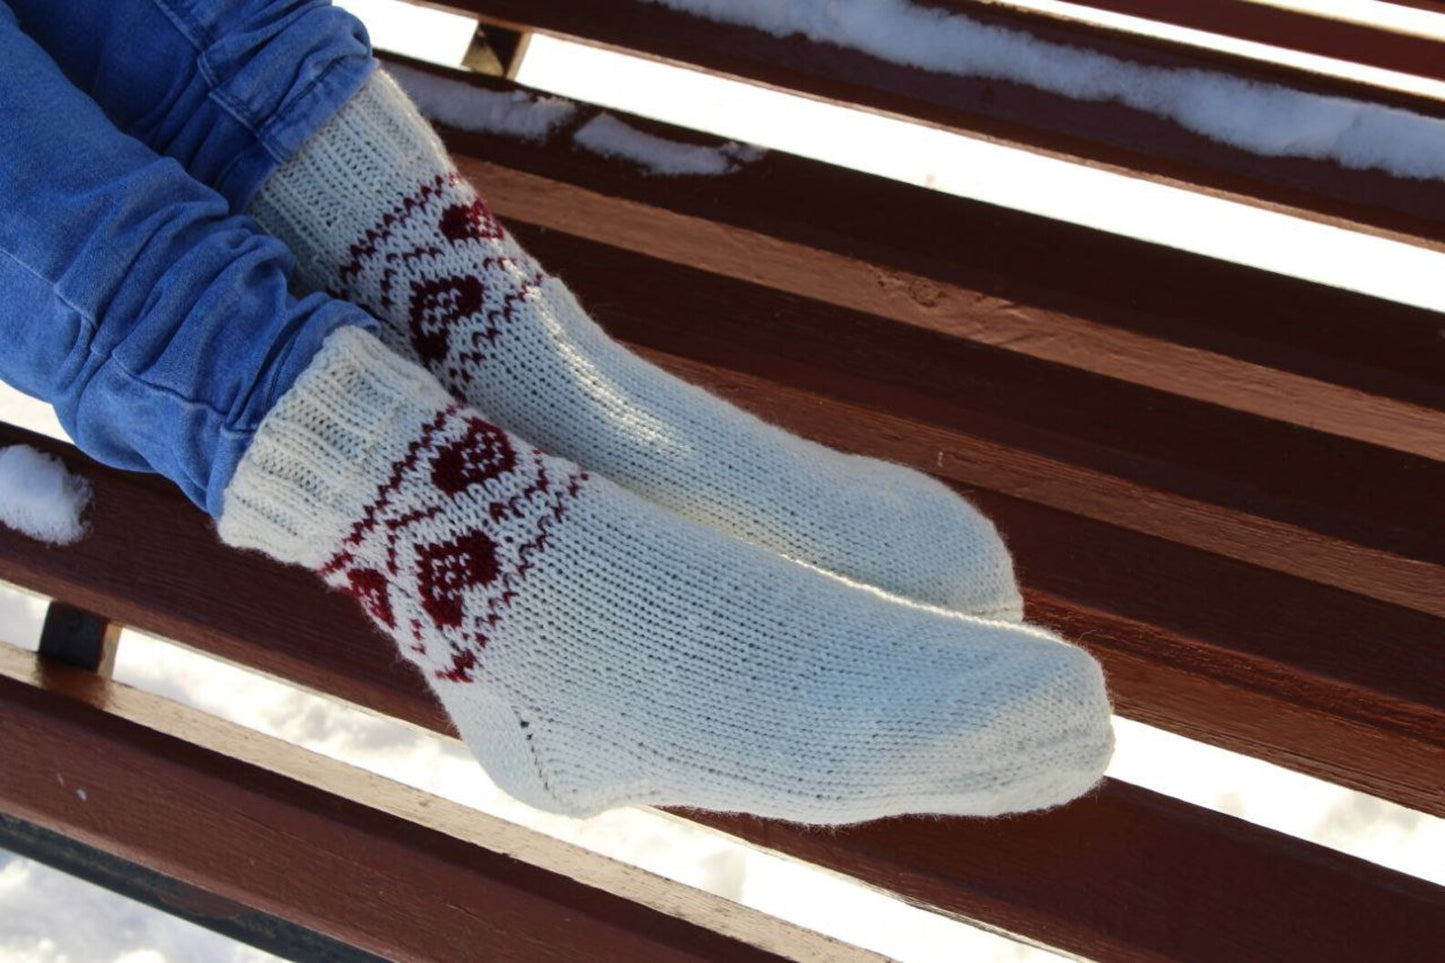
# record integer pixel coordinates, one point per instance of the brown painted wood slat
(1105, 134)
(1124, 874)
(1127, 874)
(1307, 32)
(1014, 280)
(377, 865)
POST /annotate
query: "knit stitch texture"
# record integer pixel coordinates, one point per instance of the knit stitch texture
(378, 215)
(595, 649)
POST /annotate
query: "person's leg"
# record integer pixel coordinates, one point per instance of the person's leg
(156, 322)
(377, 214)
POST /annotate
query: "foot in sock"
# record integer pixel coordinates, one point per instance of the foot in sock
(596, 650)
(376, 214)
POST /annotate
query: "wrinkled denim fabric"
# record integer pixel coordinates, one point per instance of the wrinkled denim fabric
(230, 88)
(157, 323)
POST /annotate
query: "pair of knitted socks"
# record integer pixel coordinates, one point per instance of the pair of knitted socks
(651, 627)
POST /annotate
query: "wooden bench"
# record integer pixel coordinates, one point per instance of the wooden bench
(1226, 483)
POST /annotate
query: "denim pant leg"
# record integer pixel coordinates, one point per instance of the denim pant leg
(155, 321)
(230, 88)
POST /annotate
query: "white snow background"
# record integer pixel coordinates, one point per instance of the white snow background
(47, 917)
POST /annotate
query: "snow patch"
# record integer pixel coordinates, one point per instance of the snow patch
(515, 114)
(39, 497)
(1266, 119)
(610, 137)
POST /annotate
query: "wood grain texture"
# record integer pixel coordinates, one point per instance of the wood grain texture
(1127, 874)
(1105, 134)
(374, 864)
(934, 304)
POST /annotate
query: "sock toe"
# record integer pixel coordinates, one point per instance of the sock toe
(1054, 735)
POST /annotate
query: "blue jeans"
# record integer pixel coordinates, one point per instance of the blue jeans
(157, 322)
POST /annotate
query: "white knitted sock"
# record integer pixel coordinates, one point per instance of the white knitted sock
(377, 214)
(596, 650)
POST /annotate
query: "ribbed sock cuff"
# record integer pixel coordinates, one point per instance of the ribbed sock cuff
(377, 144)
(321, 453)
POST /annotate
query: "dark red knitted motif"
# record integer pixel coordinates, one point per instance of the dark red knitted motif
(481, 455)
(470, 222)
(447, 570)
(463, 663)
(369, 587)
(436, 268)
(449, 538)
(437, 304)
